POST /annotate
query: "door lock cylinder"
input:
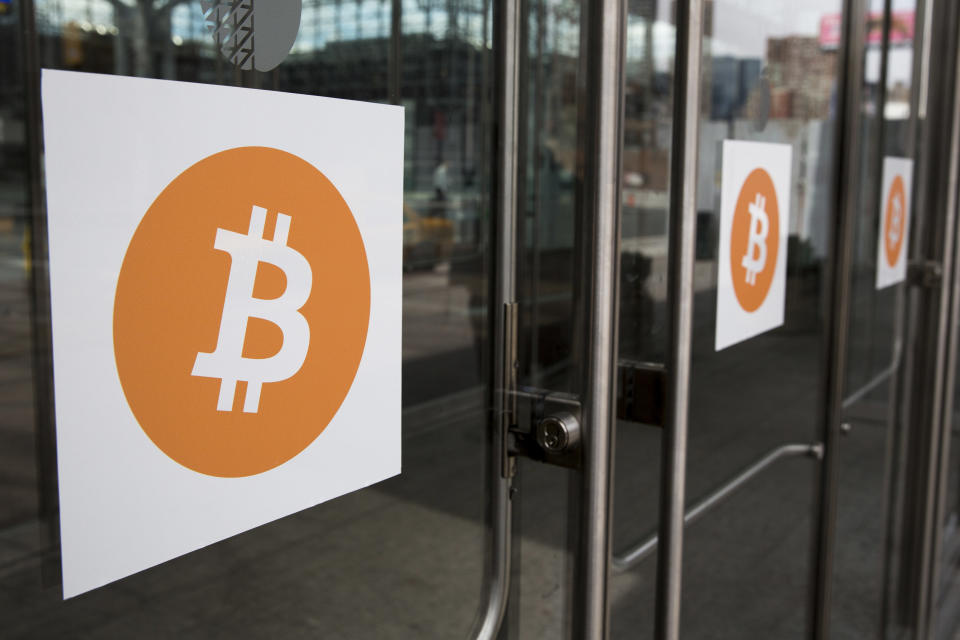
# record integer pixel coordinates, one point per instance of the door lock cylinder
(558, 432)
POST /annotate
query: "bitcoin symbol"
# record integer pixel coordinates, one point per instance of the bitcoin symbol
(755, 259)
(227, 362)
(896, 206)
(754, 240)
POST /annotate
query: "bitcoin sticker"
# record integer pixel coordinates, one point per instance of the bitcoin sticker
(754, 239)
(894, 221)
(241, 311)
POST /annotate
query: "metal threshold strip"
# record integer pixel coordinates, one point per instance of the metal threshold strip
(635, 554)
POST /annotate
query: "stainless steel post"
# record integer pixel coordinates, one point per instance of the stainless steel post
(848, 162)
(949, 295)
(42, 341)
(682, 233)
(395, 56)
(501, 307)
(928, 352)
(604, 43)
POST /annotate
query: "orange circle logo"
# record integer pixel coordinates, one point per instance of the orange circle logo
(241, 311)
(894, 221)
(754, 240)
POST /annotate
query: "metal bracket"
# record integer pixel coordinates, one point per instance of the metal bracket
(924, 273)
(535, 423)
(548, 428)
(641, 392)
(545, 425)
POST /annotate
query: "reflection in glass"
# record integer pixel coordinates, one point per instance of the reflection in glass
(767, 77)
(869, 457)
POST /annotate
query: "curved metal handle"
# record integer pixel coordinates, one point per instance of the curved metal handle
(496, 588)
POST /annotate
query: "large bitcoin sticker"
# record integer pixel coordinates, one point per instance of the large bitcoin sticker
(754, 240)
(241, 312)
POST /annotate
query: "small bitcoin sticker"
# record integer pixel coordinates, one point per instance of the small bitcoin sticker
(754, 239)
(241, 311)
(894, 221)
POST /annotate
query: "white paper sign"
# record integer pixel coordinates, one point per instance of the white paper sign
(754, 224)
(225, 272)
(893, 232)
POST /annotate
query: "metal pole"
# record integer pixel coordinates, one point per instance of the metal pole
(502, 309)
(894, 448)
(947, 348)
(42, 342)
(928, 330)
(899, 589)
(602, 142)
(395, 53)
(682, 233)
(848, 162)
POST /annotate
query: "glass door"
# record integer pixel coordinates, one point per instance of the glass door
(400, 559)
(509, 289)
(830, 81)
(570, 409)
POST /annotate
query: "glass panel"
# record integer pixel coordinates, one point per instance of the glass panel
(546, 287)
(868, 456)
(402, 558)
(648, 131)
(769, 75)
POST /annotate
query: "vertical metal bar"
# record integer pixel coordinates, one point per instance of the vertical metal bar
(878, 205)
(882, 104)
(395, 53)
(943, 435)
(924, 91)
(602, 139)
(502, 309)
(904, 595)
(935, 226)
(946, 362)
(846, 178)
(507, 411)
(539, 110)
(895, 447)
(683, 229)
(42, 347)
